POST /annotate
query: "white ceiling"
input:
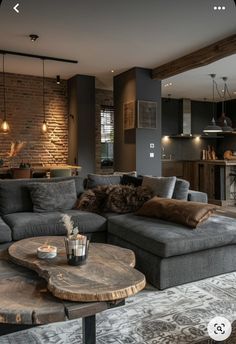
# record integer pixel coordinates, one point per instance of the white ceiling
(118, 34)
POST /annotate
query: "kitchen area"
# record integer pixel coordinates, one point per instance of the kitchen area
(206, 160)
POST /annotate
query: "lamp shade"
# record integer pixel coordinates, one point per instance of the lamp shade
(212, 128)
(225, 127)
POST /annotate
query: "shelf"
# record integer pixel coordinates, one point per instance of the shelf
(194, 136)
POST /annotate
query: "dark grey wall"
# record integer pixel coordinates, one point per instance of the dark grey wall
(124, 91)
(132, 147)
(229, 142)
(186, 148)
(149, 90)
(202, 113)
(172, 116)
(82, 125)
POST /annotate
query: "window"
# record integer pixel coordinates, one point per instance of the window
(107, 135)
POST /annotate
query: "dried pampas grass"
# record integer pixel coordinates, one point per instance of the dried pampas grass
(16, 147)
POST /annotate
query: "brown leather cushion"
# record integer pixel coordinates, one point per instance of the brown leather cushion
(190, 214)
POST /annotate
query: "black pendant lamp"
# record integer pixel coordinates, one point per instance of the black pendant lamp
(44, 126)
(212, 127)
(4, 126)
(224, 121)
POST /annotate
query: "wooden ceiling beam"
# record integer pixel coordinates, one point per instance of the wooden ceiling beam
(198, 58)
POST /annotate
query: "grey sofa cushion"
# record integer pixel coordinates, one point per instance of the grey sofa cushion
(161, 186)
(95, 180)
(58, 196)
(181, 189)
(15, 195)
(166, 239)
(197, 196)
(5, 232)
(25, 225)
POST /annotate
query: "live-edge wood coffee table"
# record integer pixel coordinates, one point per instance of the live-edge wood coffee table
(65, 292)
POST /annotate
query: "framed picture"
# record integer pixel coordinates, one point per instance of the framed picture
(129, 112)
(147, 114)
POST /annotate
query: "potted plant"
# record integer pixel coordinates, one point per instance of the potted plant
(76, 243)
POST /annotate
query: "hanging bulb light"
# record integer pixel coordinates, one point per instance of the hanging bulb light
(212, 127)
(44, 126)
(4, 126)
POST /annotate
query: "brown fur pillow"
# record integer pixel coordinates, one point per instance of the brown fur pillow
(127, 199)
(114, 198)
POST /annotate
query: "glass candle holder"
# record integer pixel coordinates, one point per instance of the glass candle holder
(77, 250)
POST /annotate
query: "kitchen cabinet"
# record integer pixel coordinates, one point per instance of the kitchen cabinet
(172, 168)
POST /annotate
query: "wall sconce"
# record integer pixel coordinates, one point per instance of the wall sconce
(58, 80)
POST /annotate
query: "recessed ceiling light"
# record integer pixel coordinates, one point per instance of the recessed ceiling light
(58, 79)
(112, 71)
(168, 84)
(33, 37)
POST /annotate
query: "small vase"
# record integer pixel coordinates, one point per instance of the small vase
(77, 250)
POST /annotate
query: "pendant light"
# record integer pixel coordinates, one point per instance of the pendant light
(224, 121)
(4, 126)
(212, 127)
(44, 126)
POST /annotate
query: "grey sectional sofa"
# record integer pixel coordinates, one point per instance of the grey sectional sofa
(18, 221)
(167, 253)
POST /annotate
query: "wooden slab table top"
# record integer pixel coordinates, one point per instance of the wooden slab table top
(107, 275)
(25, 300)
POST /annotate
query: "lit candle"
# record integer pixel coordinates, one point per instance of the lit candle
(46, 252)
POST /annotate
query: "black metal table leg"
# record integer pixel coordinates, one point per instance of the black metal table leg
(89, 330)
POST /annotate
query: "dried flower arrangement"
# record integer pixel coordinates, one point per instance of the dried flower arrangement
(16, 147)
(72, 232)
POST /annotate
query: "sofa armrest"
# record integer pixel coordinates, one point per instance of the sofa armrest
(197, 196)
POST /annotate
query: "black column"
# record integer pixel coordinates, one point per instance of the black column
(81, 94)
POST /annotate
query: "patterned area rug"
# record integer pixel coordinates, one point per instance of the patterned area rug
(177, 315)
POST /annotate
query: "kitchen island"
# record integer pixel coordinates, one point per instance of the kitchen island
(215, 177)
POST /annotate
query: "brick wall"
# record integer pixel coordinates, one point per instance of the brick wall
(103, 97)
(25, 116)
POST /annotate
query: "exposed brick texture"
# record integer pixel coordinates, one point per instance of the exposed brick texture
(25, 116)
(103, 97)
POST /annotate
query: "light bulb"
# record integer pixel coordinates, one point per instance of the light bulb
(44, 127)
(5, 126)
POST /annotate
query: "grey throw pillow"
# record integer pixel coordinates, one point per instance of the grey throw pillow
(54, 196)
(181, 189)
(95, 180)
(160, 186)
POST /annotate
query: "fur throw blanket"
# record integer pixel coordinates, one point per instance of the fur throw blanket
(114, 198)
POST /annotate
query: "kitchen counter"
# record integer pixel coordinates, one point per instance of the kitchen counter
(218, 162)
